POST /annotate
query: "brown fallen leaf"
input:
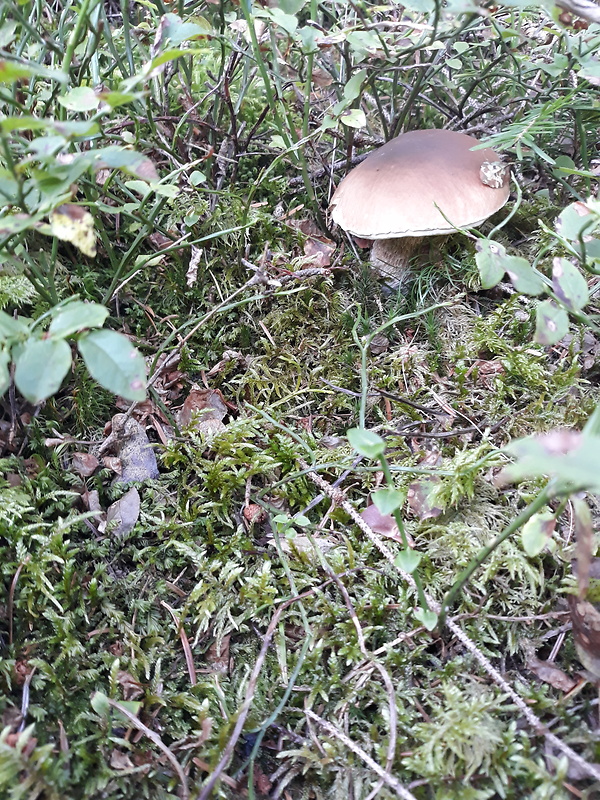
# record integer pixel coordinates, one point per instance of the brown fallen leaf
(91, 500)
(113, 463)
(262, 782)
(84, 464)
(132, 689)
(203, 411)
(129, 442)
(202, 404)
(124, 513)
(586, 633)
(420, 494)
(383, 524)
(120, 760)
(549, 673)
(12, 740)
(217, 655)
(320, 250)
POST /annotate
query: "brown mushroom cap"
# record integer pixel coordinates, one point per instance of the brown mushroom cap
(395, 190)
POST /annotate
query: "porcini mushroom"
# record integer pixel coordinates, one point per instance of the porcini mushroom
(422, 183)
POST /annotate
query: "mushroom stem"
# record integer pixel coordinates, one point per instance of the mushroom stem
(390, 258)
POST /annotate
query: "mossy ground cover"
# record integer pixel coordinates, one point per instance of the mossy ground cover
(169, 620)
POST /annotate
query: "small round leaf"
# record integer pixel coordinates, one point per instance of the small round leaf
(366, 442)
(40, 368)
(115, 363)
(77, 316)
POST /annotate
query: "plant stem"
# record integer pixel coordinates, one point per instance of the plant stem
(540, 501)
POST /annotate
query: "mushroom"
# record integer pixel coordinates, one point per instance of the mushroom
(422, 183)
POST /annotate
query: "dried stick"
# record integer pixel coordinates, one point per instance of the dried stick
(388, 779)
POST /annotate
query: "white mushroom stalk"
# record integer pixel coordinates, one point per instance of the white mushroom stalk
(423, 183)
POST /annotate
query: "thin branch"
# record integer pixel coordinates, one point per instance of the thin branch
(389, 780)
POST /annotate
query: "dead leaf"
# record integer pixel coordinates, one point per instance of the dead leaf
(130, 443)
(217, 655)
(586, 633)
(549, 673)
(91, 500)
(585, 542)
(229, 356)
(120, 760)
(191, 276)
(159, 241)
(262, 782)
(203, 410)
(320, 250)
(383, 524)
(420, 496)
(321, 78)
(113, 463)
(12, 740)
(84, 464)
(124, 513)
(379, 344)
(254, 514)
(132, 689)
(74, 224)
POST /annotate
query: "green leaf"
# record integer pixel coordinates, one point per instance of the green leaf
(353, 118)
(387, 500)
(100, 704)
(197, 177)
(575, 220)
(353, 88)
(427, 618)
(408, 560)
(77, 316)
(366, 442)
(115, 363)
(4, 371)
(537, 531)
(24, 123)
(490, 262)
(551, 324)
(116, 157)
(133, 706)
(75, 127)
(15, 223)
(291, 6)
(116, 99)
(12, 71)
(522, 276)
(422, 6)
(11, 328)
(175, 31)
(80, 98)
(569, 456)
(570, 286)
(288, 22)
(590, 70)
(41, 367)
